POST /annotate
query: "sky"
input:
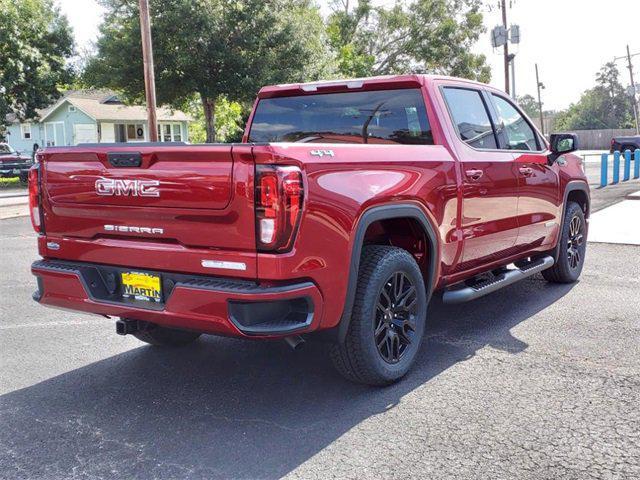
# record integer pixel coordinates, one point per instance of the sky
(569, 39)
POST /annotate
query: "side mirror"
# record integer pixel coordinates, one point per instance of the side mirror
(562, 143)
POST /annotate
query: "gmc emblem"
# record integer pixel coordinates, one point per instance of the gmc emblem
(123, 187)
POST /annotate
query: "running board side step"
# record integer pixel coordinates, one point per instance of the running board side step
(508, 277)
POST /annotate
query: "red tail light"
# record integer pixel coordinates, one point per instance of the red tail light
(279, 195)
(34, 199)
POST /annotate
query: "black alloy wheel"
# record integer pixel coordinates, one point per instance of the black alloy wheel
(574, 243)
(395, 320)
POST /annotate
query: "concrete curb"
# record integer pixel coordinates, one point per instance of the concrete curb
(14, 193)
(15, 203)
(17, 195)
(633, 196)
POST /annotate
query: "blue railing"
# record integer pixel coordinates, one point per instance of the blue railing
(626, 174)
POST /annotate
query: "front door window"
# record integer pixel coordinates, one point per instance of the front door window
(518, 133)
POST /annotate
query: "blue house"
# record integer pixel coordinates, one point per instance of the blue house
(93, 116)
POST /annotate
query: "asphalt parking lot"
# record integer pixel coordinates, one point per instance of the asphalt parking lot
(534, 381)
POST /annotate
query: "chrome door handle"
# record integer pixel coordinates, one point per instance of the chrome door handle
(474, 174)
(526, 171)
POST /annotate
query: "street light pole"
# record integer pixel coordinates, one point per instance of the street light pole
(633, 91)
(149, 78)
(512, 60)
(540, 85)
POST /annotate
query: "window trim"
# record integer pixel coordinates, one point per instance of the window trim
(22, 131)
(480, 92)
(542, 147)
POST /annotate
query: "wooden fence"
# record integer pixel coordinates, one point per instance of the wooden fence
(600, 139)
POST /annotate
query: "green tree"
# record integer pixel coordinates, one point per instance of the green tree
(229, 121)
(35, 42)
(212, 48)
(604, 106)
(423, 36)
(529, 105)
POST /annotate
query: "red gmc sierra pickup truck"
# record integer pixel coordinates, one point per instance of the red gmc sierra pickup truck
(346, 206)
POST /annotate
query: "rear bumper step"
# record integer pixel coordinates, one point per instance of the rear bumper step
(206, 304)
(508, 277)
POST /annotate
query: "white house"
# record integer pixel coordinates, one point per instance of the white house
(92, 116)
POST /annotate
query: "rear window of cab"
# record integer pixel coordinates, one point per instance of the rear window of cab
(376, 117)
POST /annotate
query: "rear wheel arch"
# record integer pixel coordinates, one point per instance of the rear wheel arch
(401, 232)
(384, 215)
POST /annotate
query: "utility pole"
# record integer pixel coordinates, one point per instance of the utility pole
(633, 90)
(540, 86)
(506, 48)
(149, 77)
(500, 37)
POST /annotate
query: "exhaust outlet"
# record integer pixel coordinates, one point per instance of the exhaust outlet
(125, 327)
(296, 342)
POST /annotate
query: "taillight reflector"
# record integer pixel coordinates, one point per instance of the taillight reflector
(34, 198)
(279, 196)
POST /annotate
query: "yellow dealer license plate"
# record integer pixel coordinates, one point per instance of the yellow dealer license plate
(141, 286)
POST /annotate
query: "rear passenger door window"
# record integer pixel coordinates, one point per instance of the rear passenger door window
(470, 116)
(518, 134)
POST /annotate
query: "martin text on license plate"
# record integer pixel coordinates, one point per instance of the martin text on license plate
(141, 286)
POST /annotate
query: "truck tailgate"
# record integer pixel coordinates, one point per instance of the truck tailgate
(187, 201)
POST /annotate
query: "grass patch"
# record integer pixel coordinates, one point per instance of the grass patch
(13, 182)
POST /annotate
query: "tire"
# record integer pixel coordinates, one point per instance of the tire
(163, 336)
(624, 148)
(572, 248)
(360, 358)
